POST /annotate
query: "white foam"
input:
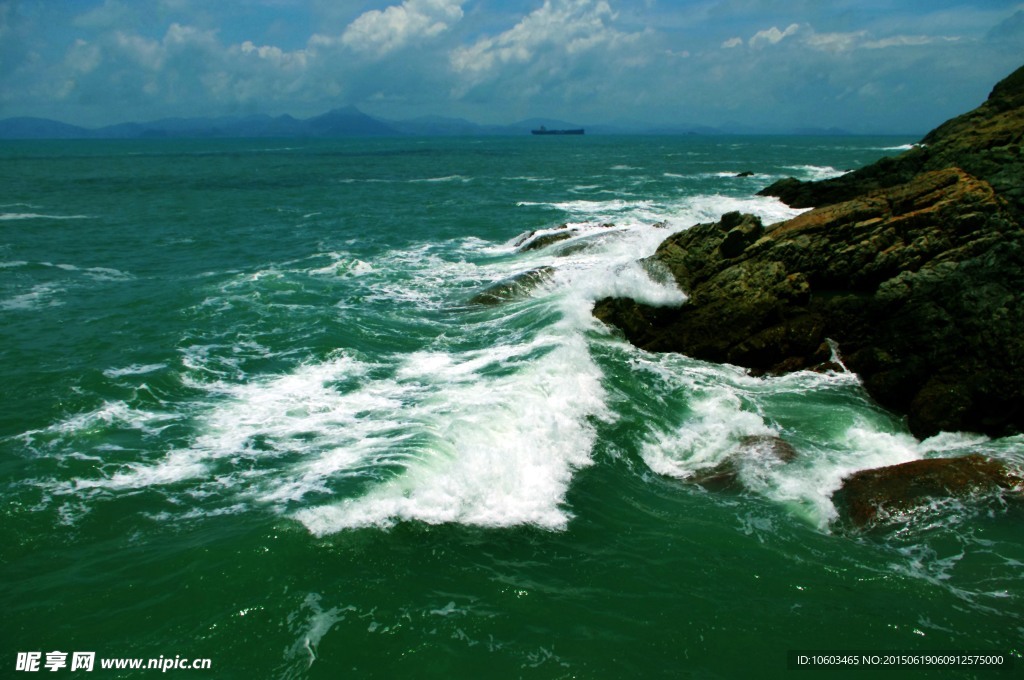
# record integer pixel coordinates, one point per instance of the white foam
(497, 451)
(38, 216)
(118, 413)
(446, 178)
(707, 438)
(529, 178)
(134, 369)
(107, 274)
(816, 173)
(39, 296)
(344, 266)
(291, 414)
(96, 273)
(597, 208)
(810, 485)
(722, 405)
(314, 627)
(679, 214)
(711, 207)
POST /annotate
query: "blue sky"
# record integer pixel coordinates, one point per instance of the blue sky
(862, 65)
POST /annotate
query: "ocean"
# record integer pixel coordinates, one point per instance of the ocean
(252, 413)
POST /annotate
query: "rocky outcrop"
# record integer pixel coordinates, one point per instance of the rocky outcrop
(916, 275)
(872, 496)
(985, 143)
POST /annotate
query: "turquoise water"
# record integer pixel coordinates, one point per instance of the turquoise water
(251, 414)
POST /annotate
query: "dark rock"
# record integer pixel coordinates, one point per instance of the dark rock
(513, 287)
(562, 232)
(523, 238)
(920, 284)
(745, 173)
(536, 243)
(871, 496)
(548, 239)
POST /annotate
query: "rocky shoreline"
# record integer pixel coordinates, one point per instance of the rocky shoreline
(911, 268)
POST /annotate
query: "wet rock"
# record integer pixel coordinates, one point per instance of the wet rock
(563, 232)
(920, 284)
(760, 450)
(513, 287)
(546, 240)
(768, 446)
(871, 496)
(745, 173)
(523, 238)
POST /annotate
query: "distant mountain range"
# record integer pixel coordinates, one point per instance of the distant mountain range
(343, 122)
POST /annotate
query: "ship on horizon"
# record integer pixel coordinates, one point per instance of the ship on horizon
(544, 131)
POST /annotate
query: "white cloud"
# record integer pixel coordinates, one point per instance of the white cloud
(572, 26)
(83, 57)
(379, 32)
(149, 54)
(834, 42)
(772, 36)
(806, 36)
(906, 41)
(275, 55)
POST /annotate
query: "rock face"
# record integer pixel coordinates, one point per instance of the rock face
(869, 496)
(913, 267)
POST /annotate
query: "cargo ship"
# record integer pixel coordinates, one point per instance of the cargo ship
(544, 131)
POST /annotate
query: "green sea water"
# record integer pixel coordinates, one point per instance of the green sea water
(251, 413)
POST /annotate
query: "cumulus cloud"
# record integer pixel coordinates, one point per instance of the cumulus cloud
(559, 29)
(772, 36)
(379, 32)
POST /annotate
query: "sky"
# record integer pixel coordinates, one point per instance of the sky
(866, 66)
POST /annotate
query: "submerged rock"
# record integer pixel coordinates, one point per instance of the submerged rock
(920, 284)
(761, 450)
(871, 496)
(513, 287)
